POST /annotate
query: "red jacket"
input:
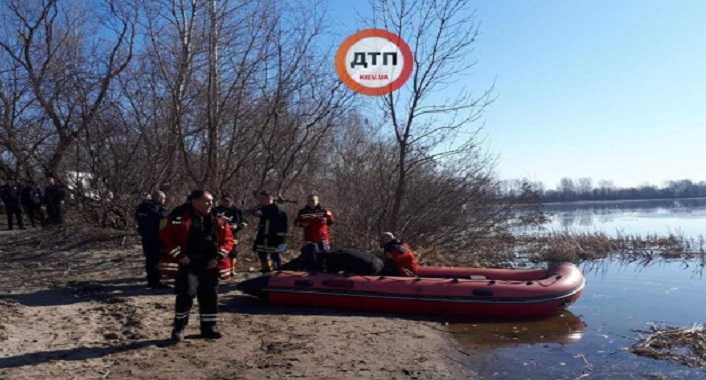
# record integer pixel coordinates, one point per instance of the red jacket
(402, 255)
(175, 235)
(315, 221)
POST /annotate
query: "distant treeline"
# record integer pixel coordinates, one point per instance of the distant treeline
(583, 189)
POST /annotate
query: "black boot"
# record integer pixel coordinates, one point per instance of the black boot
(179, 327)
(209, 331)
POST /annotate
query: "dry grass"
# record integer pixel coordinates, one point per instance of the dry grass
(508, 250)
(577, 247)
(685, 345)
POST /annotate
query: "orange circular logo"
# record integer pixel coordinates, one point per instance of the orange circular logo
(374, 62)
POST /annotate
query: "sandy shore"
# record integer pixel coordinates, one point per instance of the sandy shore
(73, 305)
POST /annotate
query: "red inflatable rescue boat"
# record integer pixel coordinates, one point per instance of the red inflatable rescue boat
(473, 293)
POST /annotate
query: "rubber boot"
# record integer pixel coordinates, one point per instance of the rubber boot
(264, 262)
(209, 331)
(179, 327)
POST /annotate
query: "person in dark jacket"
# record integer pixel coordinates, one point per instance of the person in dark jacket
(149, 216)
(31, 199)
(54, 195)
(10, 194)
(234, 217)
(271, 235)
(200, 242)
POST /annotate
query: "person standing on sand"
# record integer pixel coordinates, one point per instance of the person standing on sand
(200, 242)
(31, 199)
(10, 194)
(54, 195)
(271, 235)
(149, 216)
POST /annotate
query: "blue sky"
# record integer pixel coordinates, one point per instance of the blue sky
(602, 89)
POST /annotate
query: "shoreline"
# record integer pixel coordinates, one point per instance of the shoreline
(86, 313)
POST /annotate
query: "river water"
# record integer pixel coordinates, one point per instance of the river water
(682, 216)
(591, 339)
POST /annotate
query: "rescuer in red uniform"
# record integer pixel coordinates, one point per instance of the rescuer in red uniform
(400, 260)
(316, 221)
(200, 243)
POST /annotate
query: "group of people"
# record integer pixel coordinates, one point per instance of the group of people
(197, 244)
(28, 198)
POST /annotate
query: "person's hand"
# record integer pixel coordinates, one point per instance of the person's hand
(212, 264)
(408, 273)
(184, 260)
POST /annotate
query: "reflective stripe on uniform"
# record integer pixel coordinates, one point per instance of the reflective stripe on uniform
(225, 273)
(175, 252)
(168, 265)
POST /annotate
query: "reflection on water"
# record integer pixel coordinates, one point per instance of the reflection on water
(591, 340)
(682, 216)
(564, 329)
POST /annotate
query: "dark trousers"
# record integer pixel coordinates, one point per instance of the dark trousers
(34, 212)
(150, 248)
(55, 213)
(267, 264)
(313, 254)
(14, 212)
(200, 283)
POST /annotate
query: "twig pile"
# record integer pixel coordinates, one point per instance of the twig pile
(685, 345)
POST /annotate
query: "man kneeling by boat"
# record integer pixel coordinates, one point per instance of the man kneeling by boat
(400, 260)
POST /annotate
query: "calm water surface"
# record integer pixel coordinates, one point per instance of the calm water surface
(683, 216)
(590, 341)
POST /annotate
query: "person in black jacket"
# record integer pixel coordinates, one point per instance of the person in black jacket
(31, 199)
(10, 195)
(149, 216)
(271, 235)
(54, 195)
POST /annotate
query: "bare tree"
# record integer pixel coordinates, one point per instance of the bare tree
(69, 73)
(441, 34)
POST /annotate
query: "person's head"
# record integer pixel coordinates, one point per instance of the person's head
(201, 201)
(227, 201)
(312, 200)
(264, 198)
(159, 197)
(386, 237)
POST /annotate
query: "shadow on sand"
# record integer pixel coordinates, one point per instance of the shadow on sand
(78, 353)
(83, 291)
